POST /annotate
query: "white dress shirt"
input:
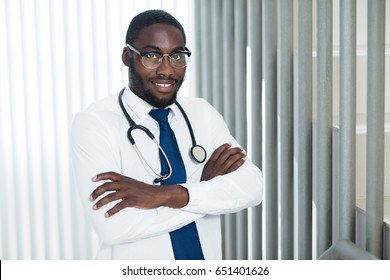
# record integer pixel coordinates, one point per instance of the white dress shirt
(99, 144)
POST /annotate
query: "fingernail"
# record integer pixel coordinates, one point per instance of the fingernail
(93, 179)
(106, 215)
(94, 207)
(90, 198)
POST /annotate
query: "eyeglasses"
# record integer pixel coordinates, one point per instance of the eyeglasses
(153, 59)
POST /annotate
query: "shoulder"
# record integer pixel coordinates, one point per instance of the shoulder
(107, 107)
(105, 112)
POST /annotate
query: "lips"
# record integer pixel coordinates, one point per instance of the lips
(164, 85)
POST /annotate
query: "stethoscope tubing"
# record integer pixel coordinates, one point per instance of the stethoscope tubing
(197, 152)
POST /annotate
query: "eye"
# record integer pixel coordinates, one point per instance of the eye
(177, 56)
(152, 55)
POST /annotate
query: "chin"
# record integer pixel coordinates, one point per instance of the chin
(156, 101)
(162, 103)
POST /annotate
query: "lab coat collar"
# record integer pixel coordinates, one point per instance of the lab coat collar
(141, 108)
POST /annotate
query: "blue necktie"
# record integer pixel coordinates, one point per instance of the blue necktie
(185, 240)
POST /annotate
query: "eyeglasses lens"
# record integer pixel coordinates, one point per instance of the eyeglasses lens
(153, 60)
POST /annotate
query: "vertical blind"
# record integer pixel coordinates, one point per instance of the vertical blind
(294, 64)
(56, 57)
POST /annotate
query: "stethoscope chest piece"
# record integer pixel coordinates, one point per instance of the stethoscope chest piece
(198, 153)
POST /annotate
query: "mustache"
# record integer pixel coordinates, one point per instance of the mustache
(164, 78)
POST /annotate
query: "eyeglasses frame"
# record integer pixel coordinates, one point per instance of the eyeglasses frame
(142, 54)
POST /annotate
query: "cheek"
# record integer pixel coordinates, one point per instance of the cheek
(180, 74)
(144, 73)
(138, 74)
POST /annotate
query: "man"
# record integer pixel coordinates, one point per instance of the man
(138, 212)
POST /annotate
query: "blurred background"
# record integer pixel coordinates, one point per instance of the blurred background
(290, 77)
(56, 58)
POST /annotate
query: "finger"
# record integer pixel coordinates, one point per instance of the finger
(108, 186)
(107, 199)
(118, 207)
(230, 154)
(233, 159)
(217, 153)
(113, 176)
(237, 164)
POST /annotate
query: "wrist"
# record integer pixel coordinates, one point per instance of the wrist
(176, 196)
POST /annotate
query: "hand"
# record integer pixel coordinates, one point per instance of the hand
(132, 193)
(224, 160)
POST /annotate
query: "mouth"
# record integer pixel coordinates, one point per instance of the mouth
(164, 85)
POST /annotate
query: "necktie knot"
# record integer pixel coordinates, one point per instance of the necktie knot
(160, 115)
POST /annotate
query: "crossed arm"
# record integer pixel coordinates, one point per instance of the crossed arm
(132, 193)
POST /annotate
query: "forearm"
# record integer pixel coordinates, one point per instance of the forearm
(227, 193)
(133, 223)
(91, 154)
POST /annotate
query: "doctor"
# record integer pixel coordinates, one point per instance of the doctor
(154, 199)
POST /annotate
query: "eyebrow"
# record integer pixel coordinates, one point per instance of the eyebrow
(159, 50)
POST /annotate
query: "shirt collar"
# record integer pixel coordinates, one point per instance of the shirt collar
(140, 107)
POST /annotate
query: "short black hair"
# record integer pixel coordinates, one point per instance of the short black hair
(148, 18)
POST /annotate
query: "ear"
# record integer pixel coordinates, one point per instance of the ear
(126, 56)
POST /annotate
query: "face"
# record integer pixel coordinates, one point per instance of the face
(158, 86)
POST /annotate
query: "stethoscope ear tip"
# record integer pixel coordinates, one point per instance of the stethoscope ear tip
(157, 180)
(162, 177)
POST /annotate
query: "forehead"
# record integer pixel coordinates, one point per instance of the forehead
(163, 36)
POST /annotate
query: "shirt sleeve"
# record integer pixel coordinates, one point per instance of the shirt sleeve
(94, 150)
(228, 193)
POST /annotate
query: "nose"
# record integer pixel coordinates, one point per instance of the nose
(165, 68)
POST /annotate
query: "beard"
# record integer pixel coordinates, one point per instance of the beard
(136, 85)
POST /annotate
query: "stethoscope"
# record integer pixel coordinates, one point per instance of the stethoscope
(197, 152)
